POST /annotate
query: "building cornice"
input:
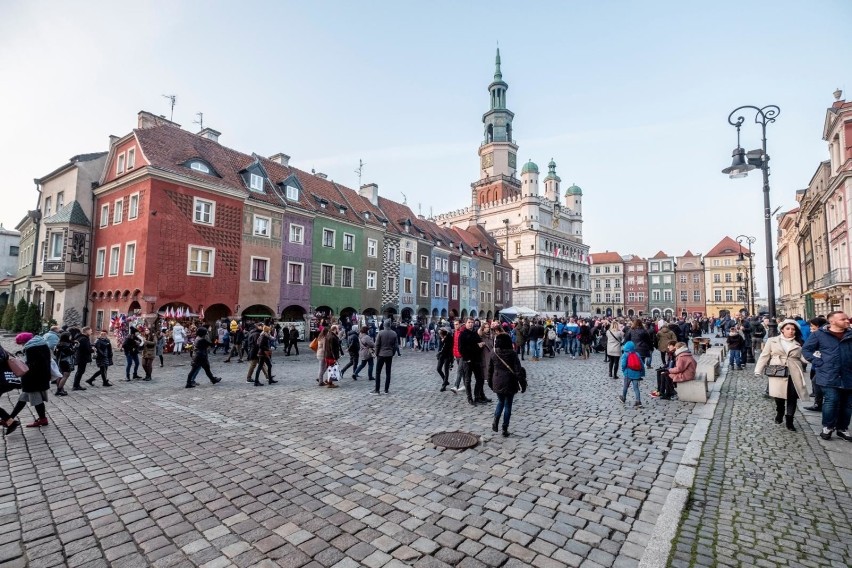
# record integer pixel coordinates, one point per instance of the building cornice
(164, 175)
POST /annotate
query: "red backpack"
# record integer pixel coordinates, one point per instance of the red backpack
(634, 363)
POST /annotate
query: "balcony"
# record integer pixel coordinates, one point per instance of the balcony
(60, 274)
(835, 277)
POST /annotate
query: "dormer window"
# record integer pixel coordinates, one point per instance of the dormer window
(342, 210)
(255, 182)
(200, 167)
(323, 203)
(292, 193)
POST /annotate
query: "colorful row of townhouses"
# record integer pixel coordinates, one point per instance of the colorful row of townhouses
(169, 219)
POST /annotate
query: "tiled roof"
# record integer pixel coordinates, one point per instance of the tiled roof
(606, 257)
(70, 214)
(659, 255)
(727, 247)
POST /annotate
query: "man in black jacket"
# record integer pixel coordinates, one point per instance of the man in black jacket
(84, 355)
(200, 359)
(471, 349)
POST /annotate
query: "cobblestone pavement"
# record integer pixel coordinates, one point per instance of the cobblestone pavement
(764, 496)
(152, 474)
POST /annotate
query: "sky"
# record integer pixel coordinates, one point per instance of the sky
(630, 98)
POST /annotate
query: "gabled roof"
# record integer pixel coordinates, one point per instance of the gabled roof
(74, 160)
(69, 214)
(660, 255)
(606, 257)
(727, 247)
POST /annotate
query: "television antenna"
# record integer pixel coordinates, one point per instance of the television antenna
(360, 171)
(172, 100)
(200, 121)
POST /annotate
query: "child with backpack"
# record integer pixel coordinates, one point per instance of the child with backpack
(633, 370)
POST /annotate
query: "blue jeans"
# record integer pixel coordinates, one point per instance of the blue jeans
(369, 364)
(573, 346)
(635, 388)
(564, 342)
(836, 408)
(132, 361)
(536, 348)
(735, 358)
(504, 407)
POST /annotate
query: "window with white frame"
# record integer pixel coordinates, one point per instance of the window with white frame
(482, 297)
(201, 260)
(409, 257)
(133, 207)
(667, 279)
(444, 264)
(297, 233)
(488, 297)
(696, 278)
(655, 279)
(655, 295)
(437, 290)
(407, 285)
(454, 293)
(104, 215)
(255, 182)
(631, 296)
(292, 193)
(455, 267)
(328, 238)
(114, 253)
(684, 295)
(200, 167)
(390, 282)
(424, 289)
(295, 273)
(204, 211)
(57, 242)
(424, 261)
(498, 294)
(445, 290)
(99, 319)
(60, 200)
(371, 279)
(131, 158)
(729, 295)
(667, 295)
(326, 275)
(262, 226)
(696, 295)
(482, 275)
(488, 277)
(499, 276)
(391, 254)
(372, 248)
(717, 278)
(259, 269)
(130, 258)
(348, 242)
(347, 277)
(683, 278)
(640, 296)
(119, 164)
(717, 295)
(118, 211)
(100, 262)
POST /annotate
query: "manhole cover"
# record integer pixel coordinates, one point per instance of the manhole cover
(455, 440)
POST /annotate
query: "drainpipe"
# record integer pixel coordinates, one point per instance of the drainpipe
(86, 300)
(35, 215)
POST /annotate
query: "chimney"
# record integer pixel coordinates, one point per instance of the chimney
(146, 119)
(210, 134)
(370, 191)
(321, 175)
(280, 158)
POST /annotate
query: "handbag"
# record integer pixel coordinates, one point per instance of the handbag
(776, 371)
(314, 344)
(333, 373)
(18, 367)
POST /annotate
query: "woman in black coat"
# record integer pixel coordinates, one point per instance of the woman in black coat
(505, 378)
(641, 339)
(65, 356)
(36, 381)
(84, 356)
(445, 357)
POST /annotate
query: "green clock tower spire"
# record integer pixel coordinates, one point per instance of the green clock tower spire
(498, 152)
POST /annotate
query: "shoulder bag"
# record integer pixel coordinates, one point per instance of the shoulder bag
(776, 371)
(18, 367)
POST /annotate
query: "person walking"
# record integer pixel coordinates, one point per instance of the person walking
(445, 357)
(321, 338)
(829, 349)
(161, 346)
(641, 340)
(614, 337)
(293, 340)
(815, 324)
(353, 347)
(200, 359)
(782, 354)
(149, 348)
(179, 338)
(253, 353)
(365, 355)
(505, 378)
(84, 356)
(238, 337)
(132, 344)
(264, 356)
(386, 345)
(36, 381)
(633, 369)
(471, 348)
(65, 357)
(332, 351)
(10, 382)
(103, 359)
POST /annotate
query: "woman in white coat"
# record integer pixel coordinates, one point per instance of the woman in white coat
(784, 351)
(179, 337)
(614, 339)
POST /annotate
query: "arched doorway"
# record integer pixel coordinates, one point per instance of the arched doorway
(609, 312)
(293, 313)
(258, 312)
(573, 280)
(598, 311)
(668, 313)
(406, 314)
(618, 312)
(444, 313)
(655, 313)
(422, 313)
(134, 307)
(371, 312)
(346, 314)
(464, 314)
(216, 312)
(548, 277)
(435, 313)
(558, 303)
(474, 314)
(549, 303)
(630, 313)
(488, 315)
(389, 311)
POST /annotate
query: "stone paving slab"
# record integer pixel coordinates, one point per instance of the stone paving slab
(152, 474)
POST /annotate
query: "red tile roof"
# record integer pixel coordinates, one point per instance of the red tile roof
(660, 254)
(727, 247)
(606, 257)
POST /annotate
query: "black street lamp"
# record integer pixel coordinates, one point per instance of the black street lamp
(745, 162)
(750, 274)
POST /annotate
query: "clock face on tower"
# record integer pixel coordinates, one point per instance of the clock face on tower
(487, 160)
(513, 160)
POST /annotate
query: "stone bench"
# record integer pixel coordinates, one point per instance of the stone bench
(692, 391)
(716, 352)
(708, 367)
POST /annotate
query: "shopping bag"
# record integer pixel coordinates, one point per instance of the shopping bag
(333, 373)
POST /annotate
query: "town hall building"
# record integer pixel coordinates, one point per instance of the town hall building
(541, 229)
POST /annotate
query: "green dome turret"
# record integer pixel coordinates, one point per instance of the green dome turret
(551, 171)
(529, 168)
(574, 190)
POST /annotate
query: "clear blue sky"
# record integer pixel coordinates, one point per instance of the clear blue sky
(630, 98)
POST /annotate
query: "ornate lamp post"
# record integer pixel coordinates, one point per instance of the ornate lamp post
(750, 272)
(744, 163)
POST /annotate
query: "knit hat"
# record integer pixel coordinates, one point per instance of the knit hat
(503, 341)
(787, 321)
(22, 338)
